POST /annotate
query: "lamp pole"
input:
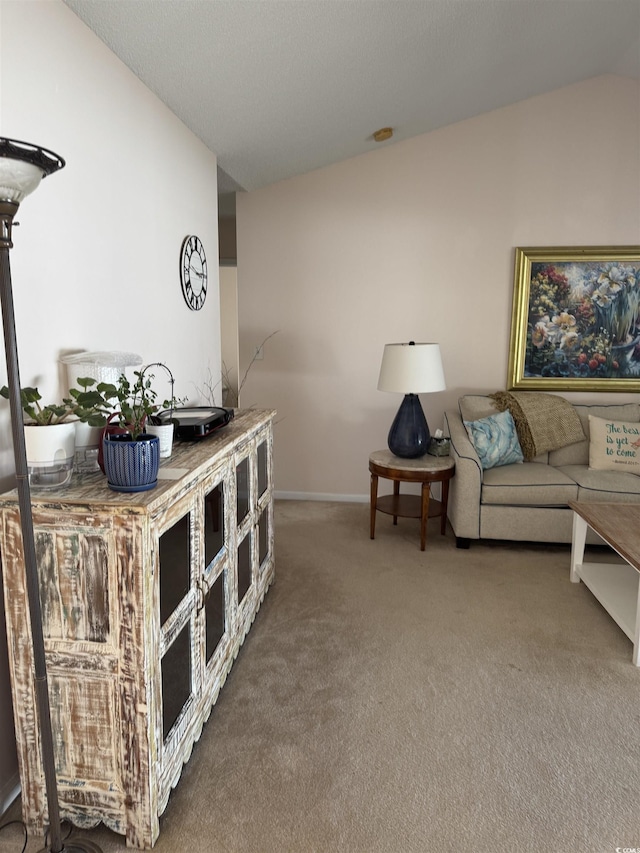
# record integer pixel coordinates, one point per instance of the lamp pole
(21, 168)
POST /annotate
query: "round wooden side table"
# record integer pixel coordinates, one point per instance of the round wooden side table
(425, 470)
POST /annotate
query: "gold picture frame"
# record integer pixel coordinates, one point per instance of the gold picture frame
(575, 321)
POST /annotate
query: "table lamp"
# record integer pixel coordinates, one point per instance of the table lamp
(410, 369)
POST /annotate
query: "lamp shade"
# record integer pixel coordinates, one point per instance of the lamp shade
(411, 368)
(22, 167)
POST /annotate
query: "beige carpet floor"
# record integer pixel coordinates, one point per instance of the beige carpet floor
(389, 700)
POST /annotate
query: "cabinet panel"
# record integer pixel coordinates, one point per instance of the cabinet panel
(83, 721)
(73, 576)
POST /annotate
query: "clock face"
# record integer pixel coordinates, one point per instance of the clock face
(193, 272)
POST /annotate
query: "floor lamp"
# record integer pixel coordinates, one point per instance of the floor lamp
(22, 166)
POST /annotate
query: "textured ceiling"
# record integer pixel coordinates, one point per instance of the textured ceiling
(279, 87)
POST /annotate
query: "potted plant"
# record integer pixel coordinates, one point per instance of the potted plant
(164, 426)
(130, 455)
(50, 431)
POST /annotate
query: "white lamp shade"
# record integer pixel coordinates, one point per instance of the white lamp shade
(411, 369)
(17, 179)
(22, 167)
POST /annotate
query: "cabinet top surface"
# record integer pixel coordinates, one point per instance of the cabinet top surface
(188, 460)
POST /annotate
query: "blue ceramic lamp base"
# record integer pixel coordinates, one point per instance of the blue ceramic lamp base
(409, 434)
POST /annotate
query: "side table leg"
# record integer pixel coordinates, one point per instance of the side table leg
(444, 486)
(424, 515)
(396, 492)
(374, 501)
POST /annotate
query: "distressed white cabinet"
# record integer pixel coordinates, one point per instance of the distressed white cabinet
(146, 600)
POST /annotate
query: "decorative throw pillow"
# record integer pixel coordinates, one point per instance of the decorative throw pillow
(614, 445)
(495, 440)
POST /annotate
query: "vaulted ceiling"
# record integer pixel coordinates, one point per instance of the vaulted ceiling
(277, 88)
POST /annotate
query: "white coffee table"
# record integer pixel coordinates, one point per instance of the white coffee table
(615, 585)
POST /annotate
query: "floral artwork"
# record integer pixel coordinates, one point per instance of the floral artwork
(576, 319)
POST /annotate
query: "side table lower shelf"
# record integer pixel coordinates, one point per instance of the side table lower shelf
(409, 506)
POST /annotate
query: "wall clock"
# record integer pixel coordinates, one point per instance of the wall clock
(193, 272)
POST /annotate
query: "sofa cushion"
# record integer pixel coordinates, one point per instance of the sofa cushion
(578, 454)
(495, 440)
(614, 445)
(529, 484)
(476, 406)
(606, 486)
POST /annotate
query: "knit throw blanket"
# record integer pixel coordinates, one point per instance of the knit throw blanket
(543, 421)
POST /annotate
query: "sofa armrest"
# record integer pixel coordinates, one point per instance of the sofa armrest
(466, 486)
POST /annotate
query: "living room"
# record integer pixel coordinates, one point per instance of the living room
(413, 240)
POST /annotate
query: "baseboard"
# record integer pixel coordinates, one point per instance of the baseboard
(9, 791)
(319, 496)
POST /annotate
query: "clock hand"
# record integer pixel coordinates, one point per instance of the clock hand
(197, 272)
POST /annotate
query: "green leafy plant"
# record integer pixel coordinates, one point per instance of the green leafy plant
(83, 403)
(130, 404)
(127, 404)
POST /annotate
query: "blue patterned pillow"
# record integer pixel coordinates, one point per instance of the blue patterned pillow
(495, 440)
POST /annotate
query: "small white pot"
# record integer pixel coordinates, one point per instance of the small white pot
(165, 436)
(87, 446)
(50, 453)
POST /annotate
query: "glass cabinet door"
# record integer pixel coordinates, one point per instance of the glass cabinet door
(177, 684)
(214, 532)
(242, 489)
(244, 567)
(175, 558)
(215, 613)
(263, 537)
(263, 468)
(265, 518)
(215, 567)
(175, 566)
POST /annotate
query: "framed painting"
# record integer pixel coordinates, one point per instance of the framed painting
(575, 322)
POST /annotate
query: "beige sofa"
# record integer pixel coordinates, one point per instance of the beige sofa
(529, 501)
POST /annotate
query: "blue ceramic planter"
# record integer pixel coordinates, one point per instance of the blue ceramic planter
(131, 466)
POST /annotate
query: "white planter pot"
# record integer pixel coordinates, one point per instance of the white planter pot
(165, 436)
(50, 453)
(87, 446)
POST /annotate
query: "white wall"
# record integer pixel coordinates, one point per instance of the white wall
(415, 241)
(96, 257)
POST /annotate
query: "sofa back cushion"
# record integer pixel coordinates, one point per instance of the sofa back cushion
(578, 454)
(473, 407)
